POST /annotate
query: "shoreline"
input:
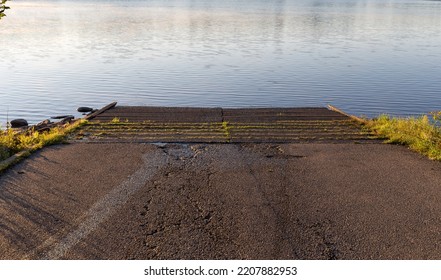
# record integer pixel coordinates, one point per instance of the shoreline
(218, 125)
(253, 190)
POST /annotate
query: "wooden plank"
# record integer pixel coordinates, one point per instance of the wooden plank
(100, 111)
(335, 109)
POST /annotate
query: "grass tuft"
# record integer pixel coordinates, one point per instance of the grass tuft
(115, 120)
(422, 134)
(12, 142)
(226, 128)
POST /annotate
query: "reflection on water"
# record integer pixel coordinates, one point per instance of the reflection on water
(366, 57)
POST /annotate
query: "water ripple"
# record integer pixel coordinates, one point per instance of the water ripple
(366, 57)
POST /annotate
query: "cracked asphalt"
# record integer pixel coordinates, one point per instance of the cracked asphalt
(221, 201)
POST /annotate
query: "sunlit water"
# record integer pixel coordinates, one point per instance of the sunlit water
(366, 57)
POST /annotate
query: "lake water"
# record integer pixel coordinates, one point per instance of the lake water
(365, 57)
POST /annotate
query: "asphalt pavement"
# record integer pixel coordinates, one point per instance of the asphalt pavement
(221, 201)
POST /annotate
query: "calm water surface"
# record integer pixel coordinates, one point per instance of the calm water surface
(366, 57)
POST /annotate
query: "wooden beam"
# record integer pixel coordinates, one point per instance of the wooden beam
(360, 120)
(100, 111)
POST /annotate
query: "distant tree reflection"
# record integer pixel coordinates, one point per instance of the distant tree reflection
(3, 7)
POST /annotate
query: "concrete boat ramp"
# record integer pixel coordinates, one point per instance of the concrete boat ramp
(292, 183)
(218, 125)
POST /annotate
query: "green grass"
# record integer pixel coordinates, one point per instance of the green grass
(115, 120)
(12, 142)
(422, 134)
(226, 128)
